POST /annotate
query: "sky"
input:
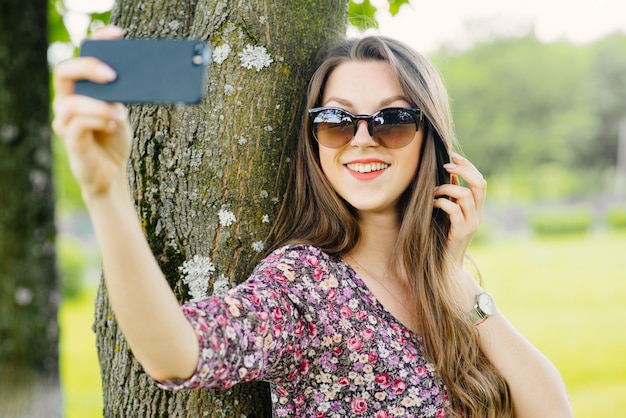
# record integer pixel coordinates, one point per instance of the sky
(428, 24)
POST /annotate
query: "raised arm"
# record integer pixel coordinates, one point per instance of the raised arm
(536, 386)
(97, 138)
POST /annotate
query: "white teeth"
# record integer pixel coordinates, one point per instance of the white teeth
(367, 168)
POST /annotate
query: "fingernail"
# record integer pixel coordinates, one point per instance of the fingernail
(115, 28)
(449, 165)
(106, 72)
(456, 156)
(112, 29)
(118, 115)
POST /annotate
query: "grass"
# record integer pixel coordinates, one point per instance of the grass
(568, 297)
(80, 373)
(565, 294)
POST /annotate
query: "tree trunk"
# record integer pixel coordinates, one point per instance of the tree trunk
(208, 179)
(29, 292)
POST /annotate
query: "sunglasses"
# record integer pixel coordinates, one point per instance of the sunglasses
(392, 127)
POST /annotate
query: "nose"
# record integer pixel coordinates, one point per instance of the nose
(362, 137)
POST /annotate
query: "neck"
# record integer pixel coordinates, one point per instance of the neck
(372, 260)
(378, 236)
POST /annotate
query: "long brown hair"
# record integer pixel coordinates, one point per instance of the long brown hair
(313, 213)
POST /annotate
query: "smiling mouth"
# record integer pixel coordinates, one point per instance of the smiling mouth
(367, 168)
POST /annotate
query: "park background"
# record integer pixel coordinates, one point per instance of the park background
(538, 109)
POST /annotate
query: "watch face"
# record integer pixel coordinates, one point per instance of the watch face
(486, 304)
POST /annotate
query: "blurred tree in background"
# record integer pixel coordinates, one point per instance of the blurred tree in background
(29, 296)
(540, 120)
(608, 83)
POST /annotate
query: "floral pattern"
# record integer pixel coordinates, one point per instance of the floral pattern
(305, 322)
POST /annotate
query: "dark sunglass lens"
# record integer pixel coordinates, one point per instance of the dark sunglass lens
(394, 128)
(333, 128)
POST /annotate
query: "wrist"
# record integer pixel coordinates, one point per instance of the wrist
(478, 304)
(117, 187)
(483, 309)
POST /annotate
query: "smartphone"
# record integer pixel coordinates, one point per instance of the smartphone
(149, 71)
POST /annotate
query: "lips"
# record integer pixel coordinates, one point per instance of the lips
(367, 167)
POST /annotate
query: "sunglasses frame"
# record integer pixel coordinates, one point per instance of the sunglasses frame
(416, 113)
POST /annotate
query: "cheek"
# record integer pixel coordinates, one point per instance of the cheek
(416, 163)
(413, 154)
(327, 160)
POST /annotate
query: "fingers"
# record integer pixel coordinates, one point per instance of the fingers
(81, 113)
(465, 204)
(465, 169)
(68, 72)
(95, 133)
(476, 183)
(108, 32)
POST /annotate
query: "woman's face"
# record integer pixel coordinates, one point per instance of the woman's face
(368, 176)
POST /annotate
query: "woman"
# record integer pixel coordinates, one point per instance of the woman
(363, 306)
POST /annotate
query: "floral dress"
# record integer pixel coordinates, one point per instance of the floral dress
(306, 323)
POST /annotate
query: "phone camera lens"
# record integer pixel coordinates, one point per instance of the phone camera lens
(201, 54)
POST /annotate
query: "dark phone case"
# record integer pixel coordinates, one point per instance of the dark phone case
(159, 71)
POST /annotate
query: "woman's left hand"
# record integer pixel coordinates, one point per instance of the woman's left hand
(464, 206)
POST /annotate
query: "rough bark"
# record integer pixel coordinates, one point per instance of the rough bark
(29, 296)
(229, 154)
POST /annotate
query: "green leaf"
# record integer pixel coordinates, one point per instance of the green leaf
(361, 15)
(57, 32)
(103, 17)
(394, 6)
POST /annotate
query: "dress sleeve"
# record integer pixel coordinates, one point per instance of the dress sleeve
(255, 331)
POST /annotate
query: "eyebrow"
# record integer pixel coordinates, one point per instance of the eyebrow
(386, 102)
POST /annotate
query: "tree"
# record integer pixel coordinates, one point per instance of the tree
(29, 296)
(360, 15)
(208, 180)
(527, 112)
(608, 79)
